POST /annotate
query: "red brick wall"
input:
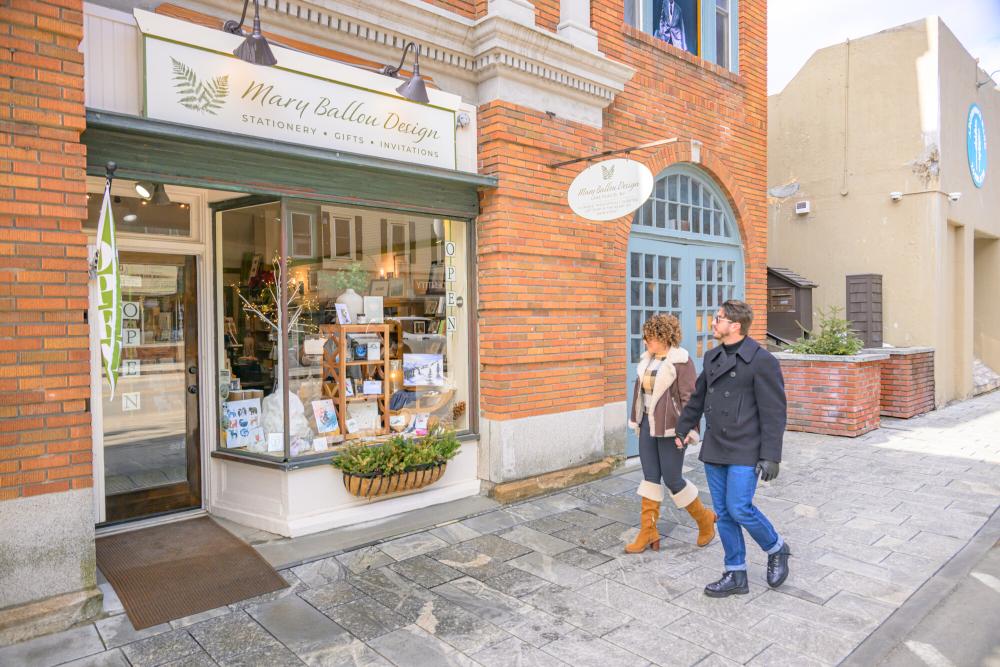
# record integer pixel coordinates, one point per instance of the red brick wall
(547, 14)
(833, 397)
(45, 443)
(551, 285)
(470, 9)
(907, 384)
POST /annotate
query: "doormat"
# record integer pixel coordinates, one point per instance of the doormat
(178, 569)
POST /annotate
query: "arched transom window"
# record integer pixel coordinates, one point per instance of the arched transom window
(687, 205)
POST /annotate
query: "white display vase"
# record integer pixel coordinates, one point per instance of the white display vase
(355, 303)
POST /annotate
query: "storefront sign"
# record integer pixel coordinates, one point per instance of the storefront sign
(109, 291)
(191, 77)
(610, 189)
(975, 140)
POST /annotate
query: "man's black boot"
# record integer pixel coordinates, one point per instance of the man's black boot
(777, 566)
(733, 582)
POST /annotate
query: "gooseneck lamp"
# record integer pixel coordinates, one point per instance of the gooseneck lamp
(413, 88)
(254, 49)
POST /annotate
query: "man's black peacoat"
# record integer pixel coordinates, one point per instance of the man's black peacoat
(742, 396)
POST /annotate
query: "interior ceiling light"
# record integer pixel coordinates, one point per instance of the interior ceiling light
(254, 49)
(413, 88)
(130, 218)
(160, 197)
(144, 189)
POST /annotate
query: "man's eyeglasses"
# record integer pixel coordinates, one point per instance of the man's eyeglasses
(721, 319)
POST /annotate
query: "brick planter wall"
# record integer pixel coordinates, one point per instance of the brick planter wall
(907, 381)
(833, 395)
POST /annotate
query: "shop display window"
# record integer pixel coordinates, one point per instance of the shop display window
(375, 334)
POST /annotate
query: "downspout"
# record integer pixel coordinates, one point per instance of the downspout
(847, 99)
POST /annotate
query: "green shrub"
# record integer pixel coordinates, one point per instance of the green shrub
(835, 337)
(399, 454)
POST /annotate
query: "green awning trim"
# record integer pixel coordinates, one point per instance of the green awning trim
(185, 155)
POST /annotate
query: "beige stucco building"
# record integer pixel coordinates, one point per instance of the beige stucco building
(872, 133)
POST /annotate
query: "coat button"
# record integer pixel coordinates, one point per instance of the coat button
(711, 390)
(726, 394)
(723, 431)
(732, 374)
(725, 413)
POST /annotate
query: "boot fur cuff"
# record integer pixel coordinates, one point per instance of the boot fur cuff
(685, 496)
(650, 490)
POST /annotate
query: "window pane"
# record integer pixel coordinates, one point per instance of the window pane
(636, 260)
(135, 215)
(650, 266)
(672, 188)
(684, 185)
(672, 222)
(647, 214)
(636, 317)
(661, 214)
(662, 274)
(722, 39)
(661, 189)
(342, 231)
(675, 269)
(695, 192)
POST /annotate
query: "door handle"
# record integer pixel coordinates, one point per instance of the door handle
(192, 389)
(193, 370)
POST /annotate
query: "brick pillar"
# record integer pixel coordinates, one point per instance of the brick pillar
(46, 503)
(907, 381)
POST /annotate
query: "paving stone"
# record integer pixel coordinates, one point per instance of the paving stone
(355, 654)
(160, 649)
(585, 650)
(482, 600)
(636, 604)
(395, 592)
(228, 636)
(548, 525)
(558, 502)
(662, 648)
(731, 611)
(268, 656)
(496, 547)
(529, 511)
(113, 658)
(934, 547)
(414, 647)
(118, 630)
(199, 617)
(470, 562)
(611, 535)
(715, 660)
(459, 627)
(491, 522)
(876, 589)
(366, 619)
(364, 560)
(875, 611)
(590, 494)
(294, 586)
(302, 629)
(515, 653)
(862, 552)
(550, 569)
(615, 485)
(537, 627)
(54, 649)
(453, 533)
(425, 571)
(576, 517)
(618, 509)
(514, 582)
(536, 540)
(584, 613)
(716, 637)
(199, 659)
(801, 636)
(582, 557)
(779, 656)
(412, 545)
(775, 602)
(331, 594)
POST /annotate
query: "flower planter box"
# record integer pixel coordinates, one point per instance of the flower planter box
(907, 381)
(833, 395)
(371, 486)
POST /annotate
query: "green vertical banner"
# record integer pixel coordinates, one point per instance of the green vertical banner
(109, 291)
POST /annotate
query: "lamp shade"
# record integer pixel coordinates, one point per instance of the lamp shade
(160, 196)
(255, 49)
(414, 88)
(144, 189)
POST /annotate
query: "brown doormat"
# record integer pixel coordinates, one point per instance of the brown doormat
(178, 569)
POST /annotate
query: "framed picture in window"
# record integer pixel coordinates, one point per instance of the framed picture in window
(396, 286)
(378, 287)
(435, 279)
(676, 23)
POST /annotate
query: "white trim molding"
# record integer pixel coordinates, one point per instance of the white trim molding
(497, 57)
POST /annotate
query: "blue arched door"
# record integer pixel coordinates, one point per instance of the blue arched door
(685, 257)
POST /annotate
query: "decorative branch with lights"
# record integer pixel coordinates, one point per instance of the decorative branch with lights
(265, 306)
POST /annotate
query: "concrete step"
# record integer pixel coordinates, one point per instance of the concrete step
(984, 378)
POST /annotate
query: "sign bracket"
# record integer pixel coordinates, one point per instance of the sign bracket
(630, 149)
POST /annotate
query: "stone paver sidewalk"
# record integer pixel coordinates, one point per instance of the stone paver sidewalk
(545, 582)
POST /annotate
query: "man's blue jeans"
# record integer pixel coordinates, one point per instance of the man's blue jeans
(732, 490)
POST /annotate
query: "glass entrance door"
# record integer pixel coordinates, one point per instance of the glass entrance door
(150, 428)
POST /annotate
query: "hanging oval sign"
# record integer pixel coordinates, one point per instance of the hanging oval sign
(610, 189)
(975, 138)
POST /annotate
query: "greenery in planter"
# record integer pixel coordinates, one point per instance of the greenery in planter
(353, 277)
(399, 454)
(835, 337)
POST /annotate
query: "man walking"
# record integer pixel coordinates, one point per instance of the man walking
(741, 393)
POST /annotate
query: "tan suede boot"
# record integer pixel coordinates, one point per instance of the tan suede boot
(648, 535)
(705, 519)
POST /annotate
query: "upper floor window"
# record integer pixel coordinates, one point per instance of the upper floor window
(683, 203)
(706, 28)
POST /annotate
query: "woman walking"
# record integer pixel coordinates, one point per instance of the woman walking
(664, 383)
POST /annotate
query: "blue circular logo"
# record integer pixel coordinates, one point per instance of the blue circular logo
(975, 139)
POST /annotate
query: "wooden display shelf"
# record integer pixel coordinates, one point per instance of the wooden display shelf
(335, 366)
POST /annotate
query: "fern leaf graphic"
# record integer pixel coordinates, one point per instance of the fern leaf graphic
(607, 172)
(195, 95)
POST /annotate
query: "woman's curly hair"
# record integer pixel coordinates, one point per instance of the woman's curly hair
(664, 328)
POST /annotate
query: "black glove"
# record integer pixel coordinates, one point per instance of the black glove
(768, 470)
